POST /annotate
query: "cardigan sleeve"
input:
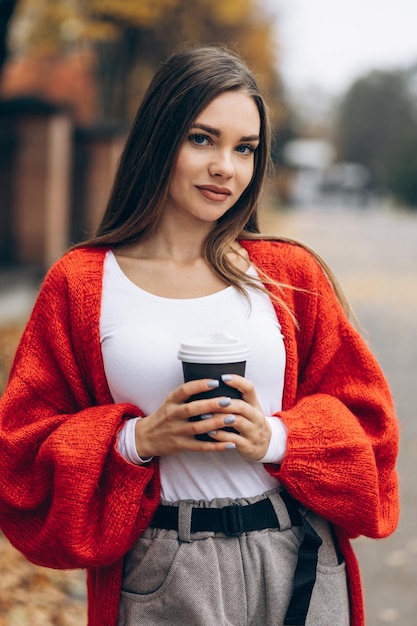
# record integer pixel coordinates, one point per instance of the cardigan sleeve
(342, 430)
(67, 497)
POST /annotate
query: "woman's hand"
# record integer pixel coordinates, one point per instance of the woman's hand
(169, 431)
(247, 418)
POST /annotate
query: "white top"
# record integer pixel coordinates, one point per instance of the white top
(140, 335)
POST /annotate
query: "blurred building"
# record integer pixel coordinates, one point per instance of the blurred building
(309, 159)
(319, 179)
(55, 178)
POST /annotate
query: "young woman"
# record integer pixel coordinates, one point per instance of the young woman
(100, 465)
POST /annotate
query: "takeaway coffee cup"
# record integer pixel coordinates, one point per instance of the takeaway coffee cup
(210, 356)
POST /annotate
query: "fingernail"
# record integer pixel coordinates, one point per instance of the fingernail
(229, 419)
(212, 432)
(206, 416)
(226, 378)
(213, 384)
(224, 401)
(230, 446)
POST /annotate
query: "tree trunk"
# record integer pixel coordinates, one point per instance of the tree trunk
(7, 8)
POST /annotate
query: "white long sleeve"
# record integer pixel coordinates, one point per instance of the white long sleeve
(278, 442)
(126, 443)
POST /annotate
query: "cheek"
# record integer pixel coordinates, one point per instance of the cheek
(180, 177)
(187, 163)
(247, 174)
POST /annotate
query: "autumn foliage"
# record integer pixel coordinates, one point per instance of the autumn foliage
(98, 55)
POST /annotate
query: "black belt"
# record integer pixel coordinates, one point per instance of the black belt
(232, 520)
(235, 519)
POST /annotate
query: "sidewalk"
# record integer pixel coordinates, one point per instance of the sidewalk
(374, 255)
(18, 290)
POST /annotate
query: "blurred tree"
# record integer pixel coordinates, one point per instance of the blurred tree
(377, 127)
(7, 8)
(402, 174)
(131, 38)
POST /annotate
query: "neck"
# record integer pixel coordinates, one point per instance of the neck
(177, 242)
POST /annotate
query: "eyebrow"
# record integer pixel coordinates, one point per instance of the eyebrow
(216, 132)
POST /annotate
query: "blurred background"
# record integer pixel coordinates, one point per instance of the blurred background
(341, 83)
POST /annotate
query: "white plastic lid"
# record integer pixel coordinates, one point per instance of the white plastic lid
(214, 348)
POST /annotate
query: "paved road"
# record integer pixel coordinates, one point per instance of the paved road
(374, 254)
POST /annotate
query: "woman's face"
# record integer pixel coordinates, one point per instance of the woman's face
(215, 163)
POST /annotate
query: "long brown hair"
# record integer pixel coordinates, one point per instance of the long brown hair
(183, 87)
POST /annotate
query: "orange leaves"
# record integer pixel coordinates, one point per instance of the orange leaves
(137, 36)
(145, 13)
(35, 596)
(9, 338)
(231, 12)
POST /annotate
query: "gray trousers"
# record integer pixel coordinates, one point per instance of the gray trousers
(209, 579)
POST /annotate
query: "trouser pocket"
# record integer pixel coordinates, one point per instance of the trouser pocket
(170, 583)
(329, 605)
(151, 563)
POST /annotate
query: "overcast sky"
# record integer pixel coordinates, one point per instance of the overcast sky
(328, 43)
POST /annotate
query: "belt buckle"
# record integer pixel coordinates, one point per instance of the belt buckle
(232, 520)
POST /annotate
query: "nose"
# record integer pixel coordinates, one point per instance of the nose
(222, 165)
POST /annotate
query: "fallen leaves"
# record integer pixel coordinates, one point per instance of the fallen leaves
(32, 595)
(35, 596)
(9, 338)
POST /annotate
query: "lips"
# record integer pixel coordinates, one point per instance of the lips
(211, 192)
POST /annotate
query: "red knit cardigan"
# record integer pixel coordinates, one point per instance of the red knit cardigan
(69, 500)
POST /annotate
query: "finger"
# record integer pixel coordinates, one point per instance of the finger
(219, 412)
(227, 423)
(191, 388)
(205, 427)
(207, 406)
(244, 385)
(220, 440)
(251, 442)
(203, 423)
